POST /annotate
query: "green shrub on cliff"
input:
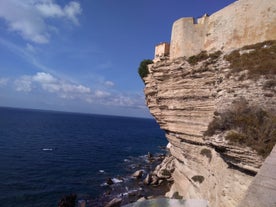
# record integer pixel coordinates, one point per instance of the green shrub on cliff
(247, 126)
(143, 68)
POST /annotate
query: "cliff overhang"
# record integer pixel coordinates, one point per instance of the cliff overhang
(185, 95)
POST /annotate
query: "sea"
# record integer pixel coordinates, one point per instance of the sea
(45, 155)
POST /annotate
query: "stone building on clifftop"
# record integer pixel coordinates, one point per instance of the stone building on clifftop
(241, 23)
(162, 50)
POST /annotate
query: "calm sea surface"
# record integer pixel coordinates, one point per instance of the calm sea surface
(45, 155)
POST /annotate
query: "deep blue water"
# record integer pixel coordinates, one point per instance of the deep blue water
(44, 154)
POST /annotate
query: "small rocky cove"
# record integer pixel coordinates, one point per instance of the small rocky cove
(149, 177)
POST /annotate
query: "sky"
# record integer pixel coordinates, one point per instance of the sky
(83, 55)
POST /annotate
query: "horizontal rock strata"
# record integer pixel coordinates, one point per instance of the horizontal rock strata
(184, 100)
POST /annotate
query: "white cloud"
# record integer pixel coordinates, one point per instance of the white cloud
(44, 78)
(51, 87)
(4, 81)
(109, 83)
(24, 84)
(48, 9)
(122, 100)
(53, 10)
(30, 48)
(101, 94)
(48, 83)
(71, 88)
(117, 99)
(71, 11)
(29, 17)
(51, 84)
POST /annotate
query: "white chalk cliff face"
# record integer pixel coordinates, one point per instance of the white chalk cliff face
(184, 99)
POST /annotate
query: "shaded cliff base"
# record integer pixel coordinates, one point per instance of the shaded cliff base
(218, 112)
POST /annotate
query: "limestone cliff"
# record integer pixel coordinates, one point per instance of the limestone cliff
(184, 98)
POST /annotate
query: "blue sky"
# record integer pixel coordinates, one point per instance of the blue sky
(82, 56)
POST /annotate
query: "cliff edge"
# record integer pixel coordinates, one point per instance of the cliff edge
(213, 91)
(206, 107)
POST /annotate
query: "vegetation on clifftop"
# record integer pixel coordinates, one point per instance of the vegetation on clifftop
(246, 126)
(143, 68)
(203, 55)
(258, 59)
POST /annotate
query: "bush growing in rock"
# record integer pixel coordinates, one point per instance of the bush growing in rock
(258, 59)
(166, 172)
(198, 178)
(247, 125)
(235, 137)
(206, 152)
(143, 68)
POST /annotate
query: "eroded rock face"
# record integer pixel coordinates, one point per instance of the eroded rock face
(184, 99)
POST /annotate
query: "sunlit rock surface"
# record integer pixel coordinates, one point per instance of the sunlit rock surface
(184, 100)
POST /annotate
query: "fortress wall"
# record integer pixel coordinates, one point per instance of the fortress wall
(243, 22)
(162, 49)
(187, 38)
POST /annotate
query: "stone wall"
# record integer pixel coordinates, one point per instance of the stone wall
(242, 23)
(187, 38)
(161, 50)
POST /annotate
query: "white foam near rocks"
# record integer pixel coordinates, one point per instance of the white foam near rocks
(116, 180)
